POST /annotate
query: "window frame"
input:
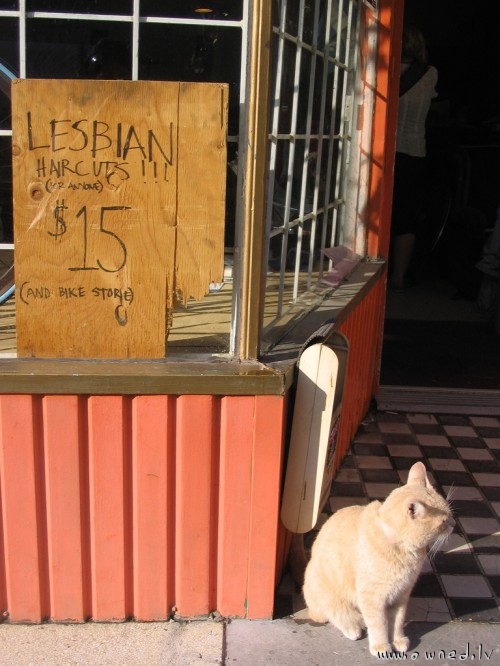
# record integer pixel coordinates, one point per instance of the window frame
(247, 335)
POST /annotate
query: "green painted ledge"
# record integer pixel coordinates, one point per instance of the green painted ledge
(37, 376)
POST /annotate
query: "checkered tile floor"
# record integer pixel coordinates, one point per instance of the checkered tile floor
(461, 454)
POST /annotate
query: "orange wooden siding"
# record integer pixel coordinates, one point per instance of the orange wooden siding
(363, 330)
(116, 507)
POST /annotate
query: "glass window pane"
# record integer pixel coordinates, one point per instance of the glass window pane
(58, 48)
(80, 46)
(5, 82)
(9, 50)
(5, 189)
(230, 10)
(114, 7)
(191, 53)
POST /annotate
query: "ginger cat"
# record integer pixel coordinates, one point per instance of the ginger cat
(366, 559)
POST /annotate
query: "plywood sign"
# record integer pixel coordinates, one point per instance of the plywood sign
(119, 194)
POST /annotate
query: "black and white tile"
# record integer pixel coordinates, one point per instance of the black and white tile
(462, 457)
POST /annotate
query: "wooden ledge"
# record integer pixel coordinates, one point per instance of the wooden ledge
(102, 377)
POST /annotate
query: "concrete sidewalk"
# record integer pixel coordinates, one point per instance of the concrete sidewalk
(120, 644)
(302, 643)
(285, 642)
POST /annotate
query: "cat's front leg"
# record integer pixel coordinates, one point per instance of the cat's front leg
(397, 615)
(376, 620)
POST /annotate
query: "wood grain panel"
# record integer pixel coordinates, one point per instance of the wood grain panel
(117, 211)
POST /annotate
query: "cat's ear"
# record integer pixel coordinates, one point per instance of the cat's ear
(417, 475)
(414, 510)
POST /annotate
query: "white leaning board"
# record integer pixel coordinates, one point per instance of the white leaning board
(312, 419)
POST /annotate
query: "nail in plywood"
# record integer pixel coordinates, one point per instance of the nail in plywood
(119, 200)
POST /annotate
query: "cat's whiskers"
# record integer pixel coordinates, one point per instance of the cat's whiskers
(450, 501)
(436, 546)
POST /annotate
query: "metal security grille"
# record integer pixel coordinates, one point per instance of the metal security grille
(315, 52)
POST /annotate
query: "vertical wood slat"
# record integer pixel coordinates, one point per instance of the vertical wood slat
(235, 504)
(196, 470)
(108, 516)
(268, 429)
(153, 506)
(62, 458)
(20, 509)
(3, 524)
(201, 191)
(249, 504)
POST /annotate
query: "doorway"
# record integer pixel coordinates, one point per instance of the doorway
(439, 343)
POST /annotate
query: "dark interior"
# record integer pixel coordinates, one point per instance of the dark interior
(455, 343)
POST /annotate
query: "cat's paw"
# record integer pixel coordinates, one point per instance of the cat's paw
(401, 644)
(381, 649)
(352, 634)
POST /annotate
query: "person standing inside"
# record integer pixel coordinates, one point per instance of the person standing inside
(417, 88)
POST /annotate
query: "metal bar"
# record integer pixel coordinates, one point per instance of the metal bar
(332, 141)
(306, 166)
(123, 18)
(187, 21)
(135, 40)
(236, 334)
(291, 135)
(319, 159)
(333, 232)
(308, 47)
(22, 39)
(272, 176)
(80, 17)
(291, 155)
(353, 31)
(345, 141)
